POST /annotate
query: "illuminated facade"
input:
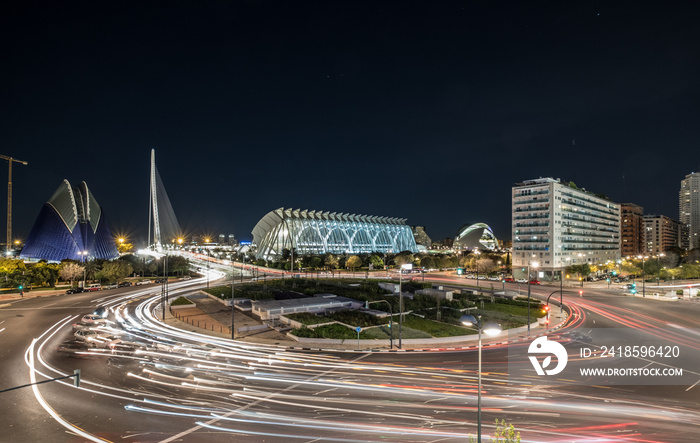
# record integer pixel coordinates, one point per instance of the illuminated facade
(557, 224)
(476, 236)
(319, 232)
(71, 225)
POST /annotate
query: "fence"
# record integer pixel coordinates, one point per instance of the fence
(202, 324)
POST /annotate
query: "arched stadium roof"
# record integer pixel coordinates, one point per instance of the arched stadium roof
(477, 235)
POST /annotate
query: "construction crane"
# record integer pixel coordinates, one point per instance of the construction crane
(10, 160)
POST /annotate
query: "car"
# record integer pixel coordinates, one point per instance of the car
(187, 277)
(481, 277)
(101, 312)
(535, 282)
(143, 282)
(85, 335)
(80, 325)
(521, 280)
(94, 287)
(74, 348)
(494, 278)
(74, 291)
(93, 319)
(111, 286)
(124, 284)
(509, 279)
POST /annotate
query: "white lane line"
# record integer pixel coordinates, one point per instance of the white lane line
(692, 386)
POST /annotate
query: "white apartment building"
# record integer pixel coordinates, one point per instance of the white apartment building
(689, 209)
(556, 224)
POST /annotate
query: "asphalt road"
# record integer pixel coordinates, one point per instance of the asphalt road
(166, 385)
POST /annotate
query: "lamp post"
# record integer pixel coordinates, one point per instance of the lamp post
(83, 255)
(476, 261)
(658, 265)
(233, 304)
(400, 306)
(490, 329)
(391, 320)
(534, 265)
(206, 240)
(643, 276)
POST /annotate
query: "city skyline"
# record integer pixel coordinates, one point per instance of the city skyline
(424, 113)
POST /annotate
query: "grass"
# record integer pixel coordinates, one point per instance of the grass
(434, 328)
(181, 301)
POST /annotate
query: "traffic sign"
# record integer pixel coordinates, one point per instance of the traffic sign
(358, 329)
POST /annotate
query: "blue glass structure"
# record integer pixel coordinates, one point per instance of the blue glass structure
(71, 222)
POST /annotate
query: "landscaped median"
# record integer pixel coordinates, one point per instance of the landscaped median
(182, 303)
(425, 316)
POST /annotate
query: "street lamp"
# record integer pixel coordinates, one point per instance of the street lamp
(83, 255)
(534, 265)
(233, 305)
(477, 253)
(490, 329)
(206, 240)
(658, 265)
(643, 276)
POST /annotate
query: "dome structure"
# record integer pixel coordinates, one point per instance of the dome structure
(71, 225)
(476, 236)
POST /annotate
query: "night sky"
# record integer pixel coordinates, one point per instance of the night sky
(429, 111)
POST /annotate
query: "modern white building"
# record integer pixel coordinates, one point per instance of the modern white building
(321, 232)
(689, 209)
(556, 224)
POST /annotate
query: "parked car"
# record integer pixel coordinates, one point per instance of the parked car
(74, 291)
(143, 282)
(111, 286)
(94, 287)
(187, 277)
(535, 282)
(510, 279)
(124, 284)
(494, 278)
(521, 280)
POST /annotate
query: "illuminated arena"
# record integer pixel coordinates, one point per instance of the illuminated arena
(476, 236)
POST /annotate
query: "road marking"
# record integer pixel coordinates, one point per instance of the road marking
(692, 386)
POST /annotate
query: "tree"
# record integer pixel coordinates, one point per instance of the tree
(315, 262)
(376, 261)
(70, 271)
(353, 262)
(116, 270)
(428, 262)
(331, 261)
(486, 266)
(403, 258)
(124, 248)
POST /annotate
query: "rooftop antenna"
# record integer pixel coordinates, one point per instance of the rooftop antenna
(10, 160)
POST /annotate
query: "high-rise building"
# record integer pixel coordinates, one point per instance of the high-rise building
(661, 233)
(557, 224)
(631, 229)
(689, 209)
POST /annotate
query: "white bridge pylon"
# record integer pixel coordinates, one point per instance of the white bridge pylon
(161, 217)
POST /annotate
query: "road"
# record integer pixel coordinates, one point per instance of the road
(175, 386)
